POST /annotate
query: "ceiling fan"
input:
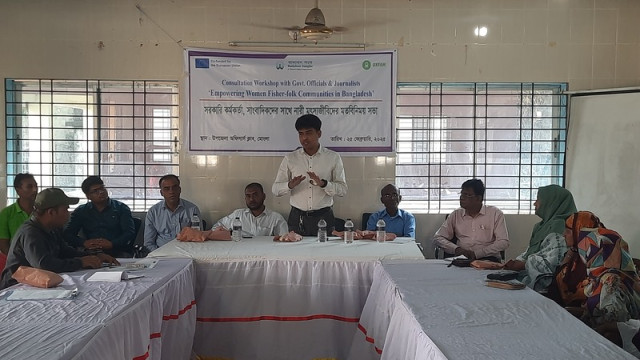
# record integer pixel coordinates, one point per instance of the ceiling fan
(315, 28)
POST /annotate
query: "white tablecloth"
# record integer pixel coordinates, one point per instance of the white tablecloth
(263, 300)
(264, 248)
(152, 317)
(428, 311)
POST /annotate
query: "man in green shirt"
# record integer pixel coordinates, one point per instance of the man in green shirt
(14, 215)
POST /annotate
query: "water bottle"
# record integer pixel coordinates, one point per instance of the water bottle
(195, 222)
(322, 230)
(381, 234)
(348, 231)
(236, 231)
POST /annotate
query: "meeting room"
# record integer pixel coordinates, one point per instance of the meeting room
(319, 179)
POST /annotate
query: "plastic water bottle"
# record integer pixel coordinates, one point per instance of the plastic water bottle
(195, 222)
(322, 230)
(348, 231)
(381, 234)
(236, 231)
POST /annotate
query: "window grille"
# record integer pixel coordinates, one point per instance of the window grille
(62, 131)
(512, 136)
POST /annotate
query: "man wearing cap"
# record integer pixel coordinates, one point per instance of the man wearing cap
(39, 242)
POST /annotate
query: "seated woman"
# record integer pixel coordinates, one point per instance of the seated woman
(547, 246)
(599, 275)
(568, 286)
(611, 285)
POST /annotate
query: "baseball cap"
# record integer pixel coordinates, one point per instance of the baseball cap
(53, 197)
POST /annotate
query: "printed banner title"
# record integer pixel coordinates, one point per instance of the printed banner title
(248, 102)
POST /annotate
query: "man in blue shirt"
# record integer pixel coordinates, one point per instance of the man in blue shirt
(397, 221)
(165, 219)
(106, 224)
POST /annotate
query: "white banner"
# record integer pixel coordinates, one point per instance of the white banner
(249, 102)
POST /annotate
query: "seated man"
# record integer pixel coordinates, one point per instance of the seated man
(14, 215)
(480, 229)
(397, 221)
(107, 224)
(256, 219)
(165, 219)
(39, 242)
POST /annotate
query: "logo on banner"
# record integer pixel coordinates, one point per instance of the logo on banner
(202, 63)
(280, 66)
(366, 64)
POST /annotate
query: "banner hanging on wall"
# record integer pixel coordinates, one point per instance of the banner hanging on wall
(246, 102)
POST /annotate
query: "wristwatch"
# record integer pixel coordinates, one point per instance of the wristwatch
(324, 183)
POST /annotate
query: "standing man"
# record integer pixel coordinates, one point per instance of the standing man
(256, 219)
(480, 230)
(165, 219)
(39, 242)
(14, 215)
(312, 175)
(107, 224)
(397, 221)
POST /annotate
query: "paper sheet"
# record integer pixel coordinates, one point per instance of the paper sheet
(455, 257)
(112, 276)
(42, 294)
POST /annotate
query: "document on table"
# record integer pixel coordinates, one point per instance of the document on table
(141, 264)
(42, 294)
(112, 276)
(401, 240)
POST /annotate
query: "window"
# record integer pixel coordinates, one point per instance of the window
(62, 131)
(512, 136)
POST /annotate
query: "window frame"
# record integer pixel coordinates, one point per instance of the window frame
(62, 131)
(542, 112)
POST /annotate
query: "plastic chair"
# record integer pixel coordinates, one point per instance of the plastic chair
(139, 250)
(365, 220)
(3, 261)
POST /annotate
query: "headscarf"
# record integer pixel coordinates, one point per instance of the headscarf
(580, 220)
(573, 271)
(556, 204)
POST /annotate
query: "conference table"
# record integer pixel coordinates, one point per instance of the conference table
(426, 310)
(150, 317)
(260, 299)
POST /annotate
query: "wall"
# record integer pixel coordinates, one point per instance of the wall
(588, 43)
(606, 179)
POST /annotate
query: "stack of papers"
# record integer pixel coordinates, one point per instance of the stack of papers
(42, 294)
(112, 276)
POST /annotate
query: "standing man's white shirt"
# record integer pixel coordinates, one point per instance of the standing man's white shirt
(327, 164)
(268, 223)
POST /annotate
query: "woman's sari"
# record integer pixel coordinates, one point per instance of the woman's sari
(613, 288)
(568, 284)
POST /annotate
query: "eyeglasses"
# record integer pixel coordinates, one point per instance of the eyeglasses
(387, 196)
(468, 196)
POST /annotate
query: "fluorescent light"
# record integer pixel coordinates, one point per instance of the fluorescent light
(480, 31)
(296, 44)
